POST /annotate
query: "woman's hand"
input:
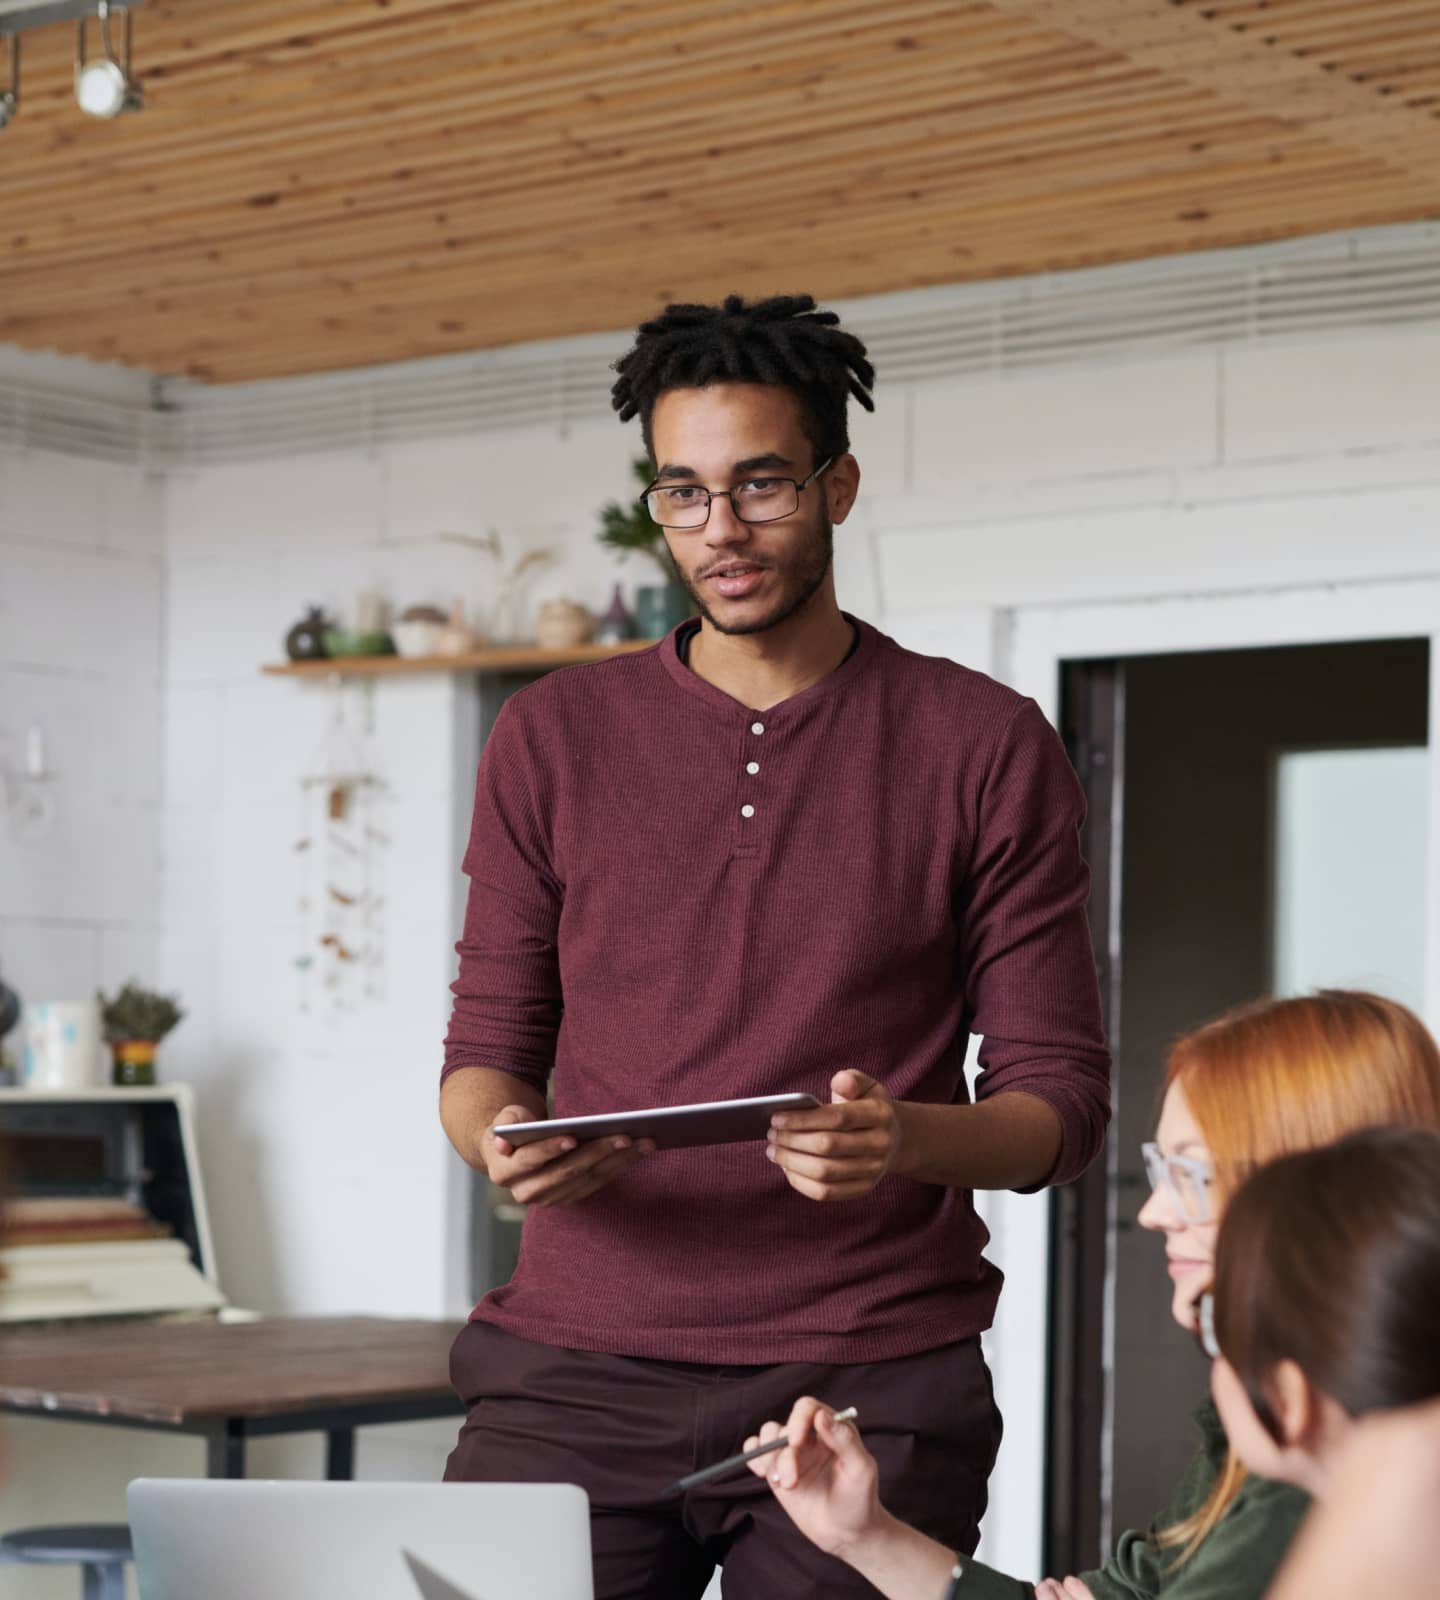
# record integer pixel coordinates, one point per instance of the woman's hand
(828, 1483)
(1062, 1589)
(825, 1478)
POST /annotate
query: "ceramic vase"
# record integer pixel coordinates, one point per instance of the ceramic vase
(617, 624)
(658, 608)
(306, 640)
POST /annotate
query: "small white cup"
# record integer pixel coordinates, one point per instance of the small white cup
(62, 1045)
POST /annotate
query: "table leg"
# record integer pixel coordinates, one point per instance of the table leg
(225, 1453)
(340, 1453)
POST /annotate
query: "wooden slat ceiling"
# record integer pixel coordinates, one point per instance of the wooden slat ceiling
(318, 184)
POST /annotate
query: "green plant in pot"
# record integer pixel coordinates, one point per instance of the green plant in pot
(627, 529)
(135, 1022)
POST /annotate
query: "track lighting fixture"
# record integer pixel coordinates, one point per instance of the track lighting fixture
(104, 88)
(10, 96)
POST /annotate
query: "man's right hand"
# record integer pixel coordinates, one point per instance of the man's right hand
(554, 1172)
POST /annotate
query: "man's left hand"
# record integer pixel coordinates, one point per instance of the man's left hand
(840, 1151)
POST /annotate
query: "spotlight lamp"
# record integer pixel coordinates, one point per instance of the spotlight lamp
(10, 96)
(104, 87)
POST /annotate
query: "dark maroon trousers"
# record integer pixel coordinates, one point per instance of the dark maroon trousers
(623, 1429)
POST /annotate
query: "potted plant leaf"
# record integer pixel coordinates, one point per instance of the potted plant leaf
(628, 529)
(135, 1022)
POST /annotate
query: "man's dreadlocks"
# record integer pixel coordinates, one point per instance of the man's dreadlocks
(783, 340)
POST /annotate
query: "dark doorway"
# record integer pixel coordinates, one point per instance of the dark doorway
(1179, 757)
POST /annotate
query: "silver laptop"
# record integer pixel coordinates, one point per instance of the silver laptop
(203, 1539)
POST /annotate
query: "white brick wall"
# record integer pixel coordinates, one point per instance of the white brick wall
(81, 588)
(1338, 397)
(81, 602)
(1272, 465)
(1078, 422)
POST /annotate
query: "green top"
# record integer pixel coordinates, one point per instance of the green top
(1236, 1562)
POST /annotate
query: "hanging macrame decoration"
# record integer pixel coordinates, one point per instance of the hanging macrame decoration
(340, 951)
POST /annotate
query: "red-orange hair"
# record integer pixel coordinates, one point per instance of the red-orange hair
(1280, 1076)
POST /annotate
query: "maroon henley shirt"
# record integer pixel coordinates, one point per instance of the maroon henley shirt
(674, 898)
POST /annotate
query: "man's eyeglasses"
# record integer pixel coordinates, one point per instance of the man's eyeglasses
(1188, 1179)
(767, 499)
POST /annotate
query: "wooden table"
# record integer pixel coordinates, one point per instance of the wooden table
(234, 1381)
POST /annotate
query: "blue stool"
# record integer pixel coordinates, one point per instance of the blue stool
(101, 1551)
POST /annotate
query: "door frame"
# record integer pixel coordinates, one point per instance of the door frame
(1033, 643)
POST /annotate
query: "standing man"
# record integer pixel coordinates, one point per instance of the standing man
(776, 852)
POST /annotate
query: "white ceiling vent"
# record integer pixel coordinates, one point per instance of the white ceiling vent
(1329, 285)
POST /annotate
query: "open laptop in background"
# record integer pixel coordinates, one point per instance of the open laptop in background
(212, 1539)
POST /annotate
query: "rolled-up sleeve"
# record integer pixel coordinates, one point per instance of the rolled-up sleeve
(507, 1006)
(1029, 969)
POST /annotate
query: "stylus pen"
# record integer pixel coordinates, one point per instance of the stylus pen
(730, 1463)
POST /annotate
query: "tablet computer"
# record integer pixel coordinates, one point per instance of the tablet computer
(671, 1127)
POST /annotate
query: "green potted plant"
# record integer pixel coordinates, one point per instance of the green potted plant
(135, 1022)
(628, 529)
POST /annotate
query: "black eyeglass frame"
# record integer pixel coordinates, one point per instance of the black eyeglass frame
(798, 484)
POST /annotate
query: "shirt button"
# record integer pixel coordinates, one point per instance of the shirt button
(747, 811)
(757, 727)
(752, 767)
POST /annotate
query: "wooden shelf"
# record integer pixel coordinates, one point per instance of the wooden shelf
(502, 658)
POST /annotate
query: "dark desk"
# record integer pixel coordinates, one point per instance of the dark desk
(234, 1381)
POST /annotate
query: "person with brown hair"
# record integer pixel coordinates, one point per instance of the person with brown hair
(1267, 1079)
(1327, 1369)
(1309, 1336)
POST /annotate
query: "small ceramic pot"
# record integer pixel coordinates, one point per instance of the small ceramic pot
(346, 642)
(10, 1008)
(455, 638)
(562, 624)
(417, 638)
(306, 640)
(134, 1063)
(62, 1045)
(658, 608)
(617, 624)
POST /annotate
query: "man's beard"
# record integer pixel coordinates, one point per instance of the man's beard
(802, 576)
